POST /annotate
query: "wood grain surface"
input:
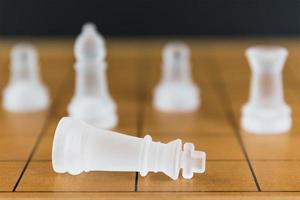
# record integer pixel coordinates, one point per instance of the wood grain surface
(239, 165)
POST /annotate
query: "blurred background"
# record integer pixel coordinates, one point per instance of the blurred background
(151, 18)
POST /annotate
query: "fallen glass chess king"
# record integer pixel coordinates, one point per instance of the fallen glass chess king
(79, 147)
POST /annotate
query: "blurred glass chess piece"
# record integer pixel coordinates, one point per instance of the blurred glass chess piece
(176, 91)
(79, 147)
(25, 91)
(92, 102)
(266, 111)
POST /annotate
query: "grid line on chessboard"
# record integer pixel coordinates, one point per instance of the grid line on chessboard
(164, 191)
(140, 93)
(223, 94)
(43, 130)
(142, 80)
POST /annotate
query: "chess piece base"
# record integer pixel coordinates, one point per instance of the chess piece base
(101, 114)
(25, 97)
(176, 98)
(264, 121)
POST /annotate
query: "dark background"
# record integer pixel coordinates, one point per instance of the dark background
(151, 17)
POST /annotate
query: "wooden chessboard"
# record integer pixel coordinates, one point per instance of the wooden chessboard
(239, 165)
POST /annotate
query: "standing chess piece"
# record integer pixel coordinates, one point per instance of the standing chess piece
(266, 112)
(25, 91)
(176, 91)
(92, 103)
